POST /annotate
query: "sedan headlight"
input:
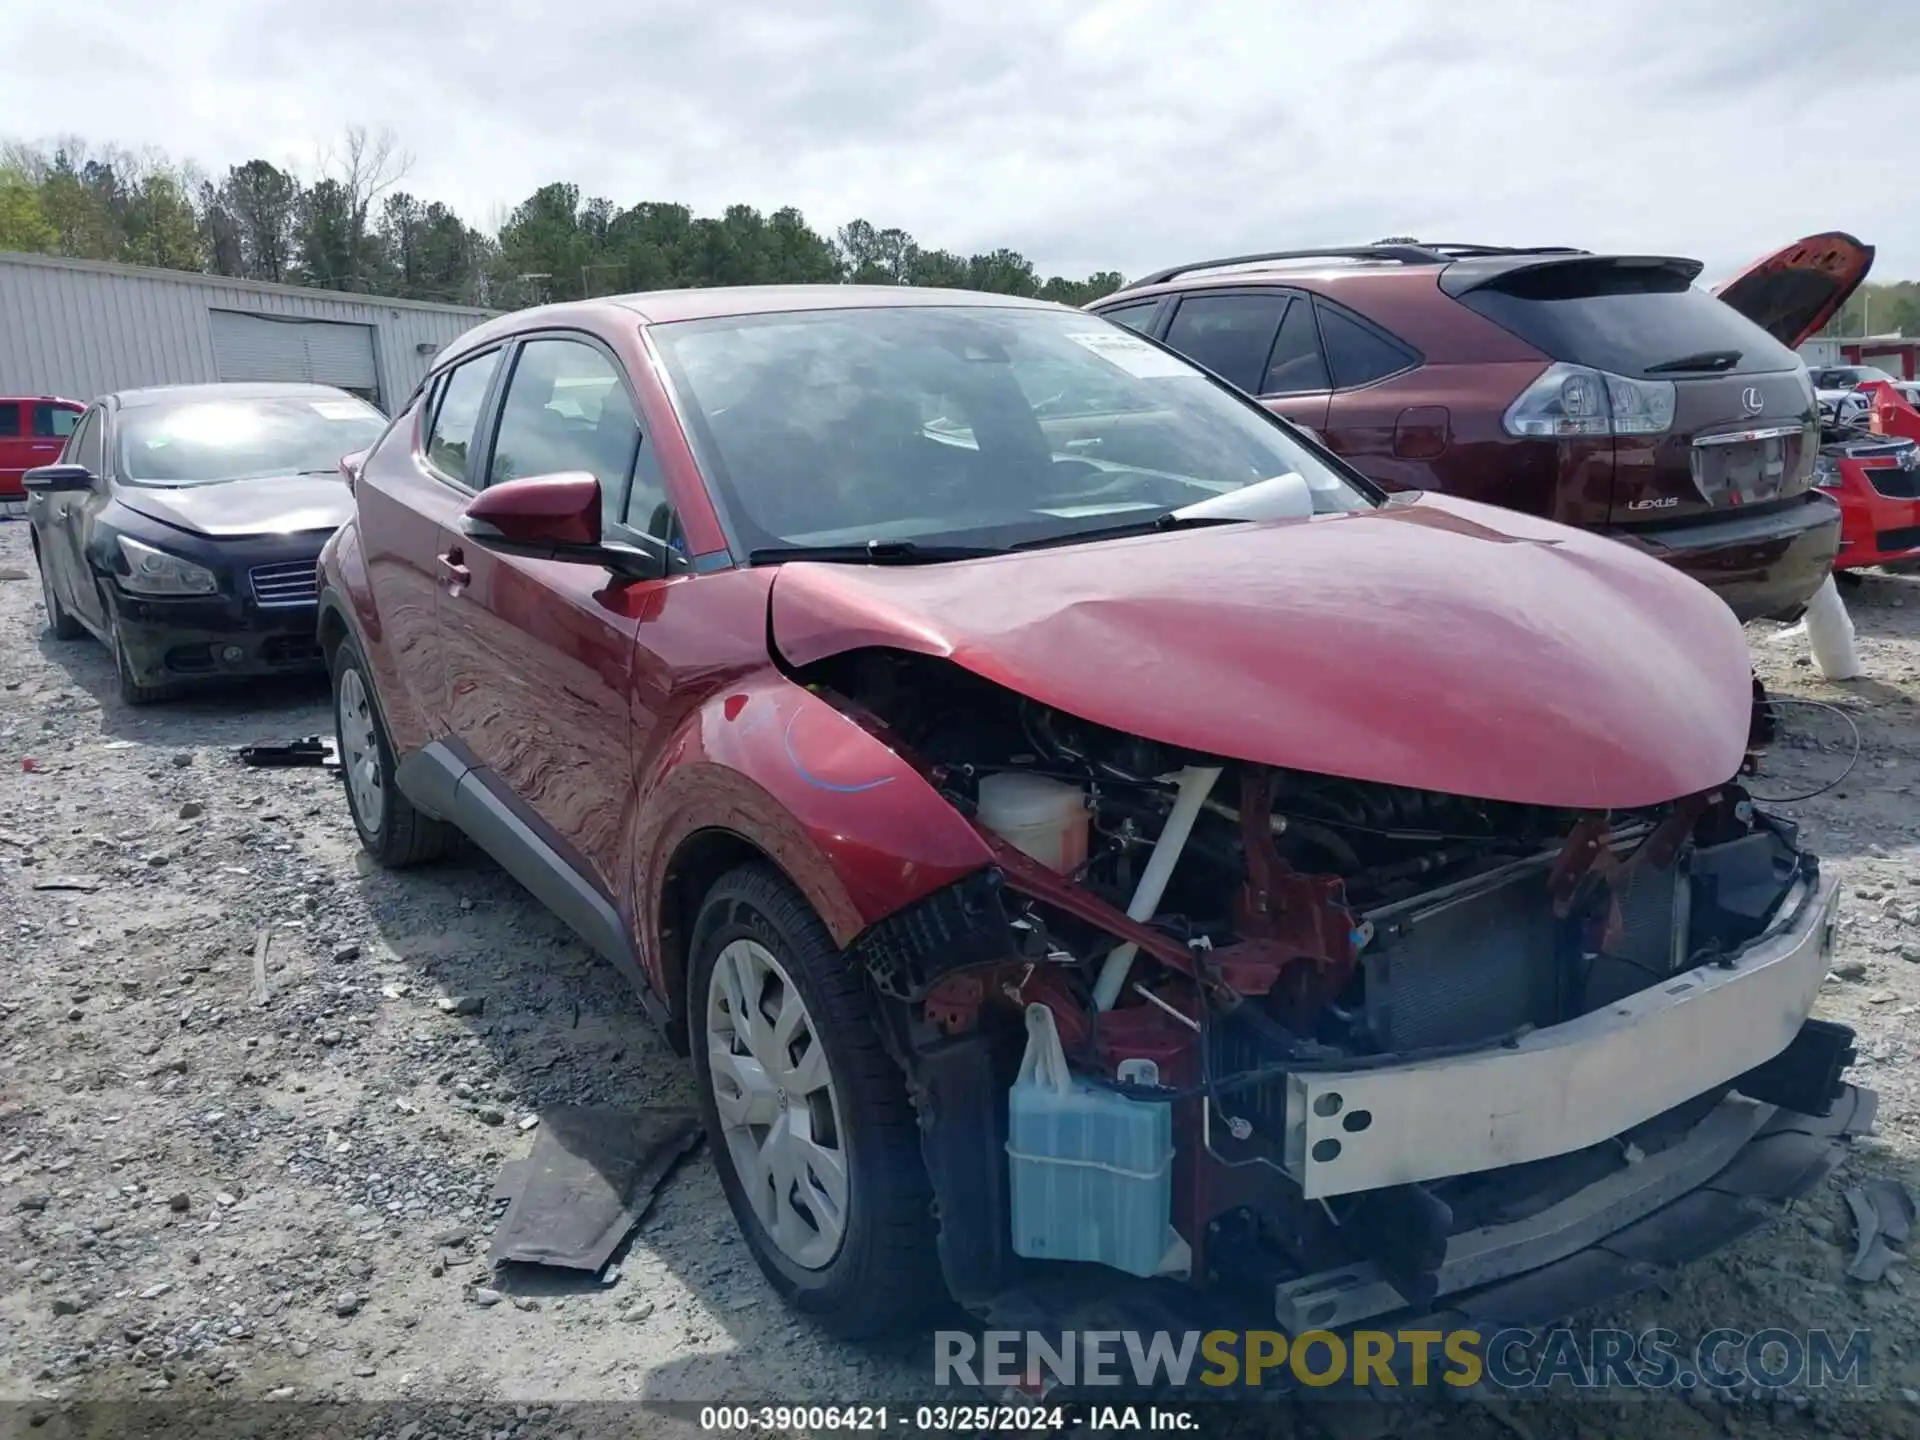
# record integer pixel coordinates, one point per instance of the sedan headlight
(155, 572)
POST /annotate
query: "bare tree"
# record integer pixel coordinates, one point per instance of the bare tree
(365, 166)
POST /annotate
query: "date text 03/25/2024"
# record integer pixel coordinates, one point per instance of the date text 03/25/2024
(935, 1419)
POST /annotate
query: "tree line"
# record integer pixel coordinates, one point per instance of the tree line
(1893, 308)
(352, 225)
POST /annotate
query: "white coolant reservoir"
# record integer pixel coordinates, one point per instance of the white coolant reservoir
(1044, 818)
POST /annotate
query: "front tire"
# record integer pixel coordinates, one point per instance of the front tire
(807, 1114)
(133, 690)
(391, 830)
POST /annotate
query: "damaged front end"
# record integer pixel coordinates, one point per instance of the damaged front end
(1415, 1049)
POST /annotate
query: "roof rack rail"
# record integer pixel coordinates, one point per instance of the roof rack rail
(1459, 251)
(1404, 254)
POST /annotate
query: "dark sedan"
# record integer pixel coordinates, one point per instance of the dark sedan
(181, 527)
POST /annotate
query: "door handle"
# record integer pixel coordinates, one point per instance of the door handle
(452, 570)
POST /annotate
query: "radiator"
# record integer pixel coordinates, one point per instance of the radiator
(1483, 964)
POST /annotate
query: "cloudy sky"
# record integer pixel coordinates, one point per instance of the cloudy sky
(1120, 134)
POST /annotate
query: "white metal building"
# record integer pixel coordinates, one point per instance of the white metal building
(80, 328)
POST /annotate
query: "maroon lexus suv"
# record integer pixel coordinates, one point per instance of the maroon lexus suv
(1604, 391)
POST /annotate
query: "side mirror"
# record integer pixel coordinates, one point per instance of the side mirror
(58, 479)
(557, 517)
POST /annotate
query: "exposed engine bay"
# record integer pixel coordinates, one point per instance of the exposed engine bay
(1206, 936)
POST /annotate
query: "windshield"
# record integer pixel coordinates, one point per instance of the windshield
(963, 425)
(203, 442)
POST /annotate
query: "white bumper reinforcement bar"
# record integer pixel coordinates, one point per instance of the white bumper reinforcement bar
(1568, 1086)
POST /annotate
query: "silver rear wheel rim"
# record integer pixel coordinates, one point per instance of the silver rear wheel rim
(779, 1109)
(361, 759)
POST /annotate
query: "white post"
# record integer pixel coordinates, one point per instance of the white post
(1830, 633)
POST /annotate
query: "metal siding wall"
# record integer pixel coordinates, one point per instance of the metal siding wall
(84, 332)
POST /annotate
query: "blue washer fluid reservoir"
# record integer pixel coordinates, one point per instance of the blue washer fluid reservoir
(1090, 1170)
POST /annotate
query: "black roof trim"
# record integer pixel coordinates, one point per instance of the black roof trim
(1403, 252)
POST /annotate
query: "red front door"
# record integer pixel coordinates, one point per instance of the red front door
(539, 653)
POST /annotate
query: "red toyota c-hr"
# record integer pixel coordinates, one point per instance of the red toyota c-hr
(952, 709)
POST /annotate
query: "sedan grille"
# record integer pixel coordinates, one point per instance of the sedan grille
(297, 583)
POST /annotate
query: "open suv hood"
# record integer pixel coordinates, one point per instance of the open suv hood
(1796, 290)
(1437, 644)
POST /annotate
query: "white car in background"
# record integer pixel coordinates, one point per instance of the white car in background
(1837, 389)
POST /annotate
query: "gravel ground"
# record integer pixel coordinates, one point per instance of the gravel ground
(204, 1197)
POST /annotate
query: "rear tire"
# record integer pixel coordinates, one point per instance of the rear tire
(63, 625)
(858, 1257)
(391, 830)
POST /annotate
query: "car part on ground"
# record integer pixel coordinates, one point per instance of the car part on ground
(589, 1180)
(181, 525)
(1606, 392)
(1390, 856)
(312, 750)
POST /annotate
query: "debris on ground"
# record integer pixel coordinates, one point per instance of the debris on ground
(1882, 1224)
(590, 1178)
(69, 882)
(312, 750)
(260, 967)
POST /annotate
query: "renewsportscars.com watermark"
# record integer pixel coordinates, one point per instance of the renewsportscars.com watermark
(1510, 1359)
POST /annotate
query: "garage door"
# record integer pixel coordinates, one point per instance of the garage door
(261, 347)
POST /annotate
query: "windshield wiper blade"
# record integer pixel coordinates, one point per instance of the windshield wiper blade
(1703, 360)
(873, 552)
(1159, 524)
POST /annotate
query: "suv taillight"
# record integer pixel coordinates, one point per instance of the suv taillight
(1570, 401)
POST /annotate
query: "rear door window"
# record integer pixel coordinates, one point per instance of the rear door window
(1232, 335)
(54, 422)
(9, 419)
(456, 415)
(1359, 354)
(1630, 320)
(1135, 317)
(1297, 367)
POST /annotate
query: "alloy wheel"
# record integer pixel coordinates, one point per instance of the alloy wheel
(778, 1109)
(361, 757)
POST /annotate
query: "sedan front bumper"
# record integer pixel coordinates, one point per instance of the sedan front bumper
(205, 639)
(1564, 1087)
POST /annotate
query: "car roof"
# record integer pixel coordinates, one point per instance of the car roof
(1466, 266)
(226, 390)
(665, 307)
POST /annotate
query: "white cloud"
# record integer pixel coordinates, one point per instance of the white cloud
(1126, 135)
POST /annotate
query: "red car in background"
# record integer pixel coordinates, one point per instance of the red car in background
(32, 430)
(891, 680)
(1609, 392)
(1874, 472)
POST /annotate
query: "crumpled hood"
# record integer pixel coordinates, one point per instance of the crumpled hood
(1437, 644)
(281, 505)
